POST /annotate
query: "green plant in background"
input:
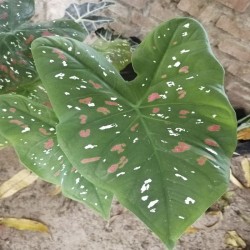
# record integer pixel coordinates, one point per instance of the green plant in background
(161, 143)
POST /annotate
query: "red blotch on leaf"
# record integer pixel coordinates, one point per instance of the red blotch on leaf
(134, 127)
(113, 168)
(184, 112)
(4, 15)
(95, 85)
(182, 94)
(47, 33)
(49, 144)
(214, 128)
(181, 147)
(155, 110)
(12, 110)
(83, 119)
(89, 160)
(85, 133)
(119, 148)
(43, 131)
(29, 39)
(111, 103)
(4, 68)
(17, 122)
(211, 142)
(60, 54)
(184, 69)
(103, 110)
(201, 160)
(154, 96)
(86, 100)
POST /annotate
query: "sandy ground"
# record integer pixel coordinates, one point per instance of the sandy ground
(75, 227)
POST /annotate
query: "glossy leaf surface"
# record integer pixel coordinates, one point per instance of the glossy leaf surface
(30, 128)
(16, 34)
(162, 143)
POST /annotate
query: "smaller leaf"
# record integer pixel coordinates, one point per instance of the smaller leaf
(117, 52)
(24, 224)
(56, 190)
(233, 239)
(19, 181)
(84, 14)
(246, 169)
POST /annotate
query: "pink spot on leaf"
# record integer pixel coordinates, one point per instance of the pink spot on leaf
(122, 162)
(184, 69)
(17, 122)
(181, 147)
(156, 110)
(12, 110)
(86, 100)
(154, 96)
(47, 33)
(85, 133)
(83, 119)
(60, 54)
(134, 127)
(184, 112)
(95, 85)
(89, 160)
(182, 94)
(110, 103)
(201, 160)
(29, 39)
(113, 168)
(103, 110)
(49, 144)
(214, 128)
(211, 142)
(4, 68)
(119, 148)
(4, 15)
(44, 131)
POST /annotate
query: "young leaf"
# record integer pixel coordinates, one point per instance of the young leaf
(162, 143)
(16, 64)
(117, 52)
(84, 14)
(30, 128)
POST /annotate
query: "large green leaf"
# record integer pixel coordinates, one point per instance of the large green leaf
(162, 143)
(16, 34)
(30, 128)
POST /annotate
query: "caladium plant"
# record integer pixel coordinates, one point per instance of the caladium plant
(161, 143)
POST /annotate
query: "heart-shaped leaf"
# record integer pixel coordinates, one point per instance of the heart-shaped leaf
(30, 128)
(162, 143)
(84, 14)
(16, 63)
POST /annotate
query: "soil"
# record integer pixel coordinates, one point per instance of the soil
(75, 227)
